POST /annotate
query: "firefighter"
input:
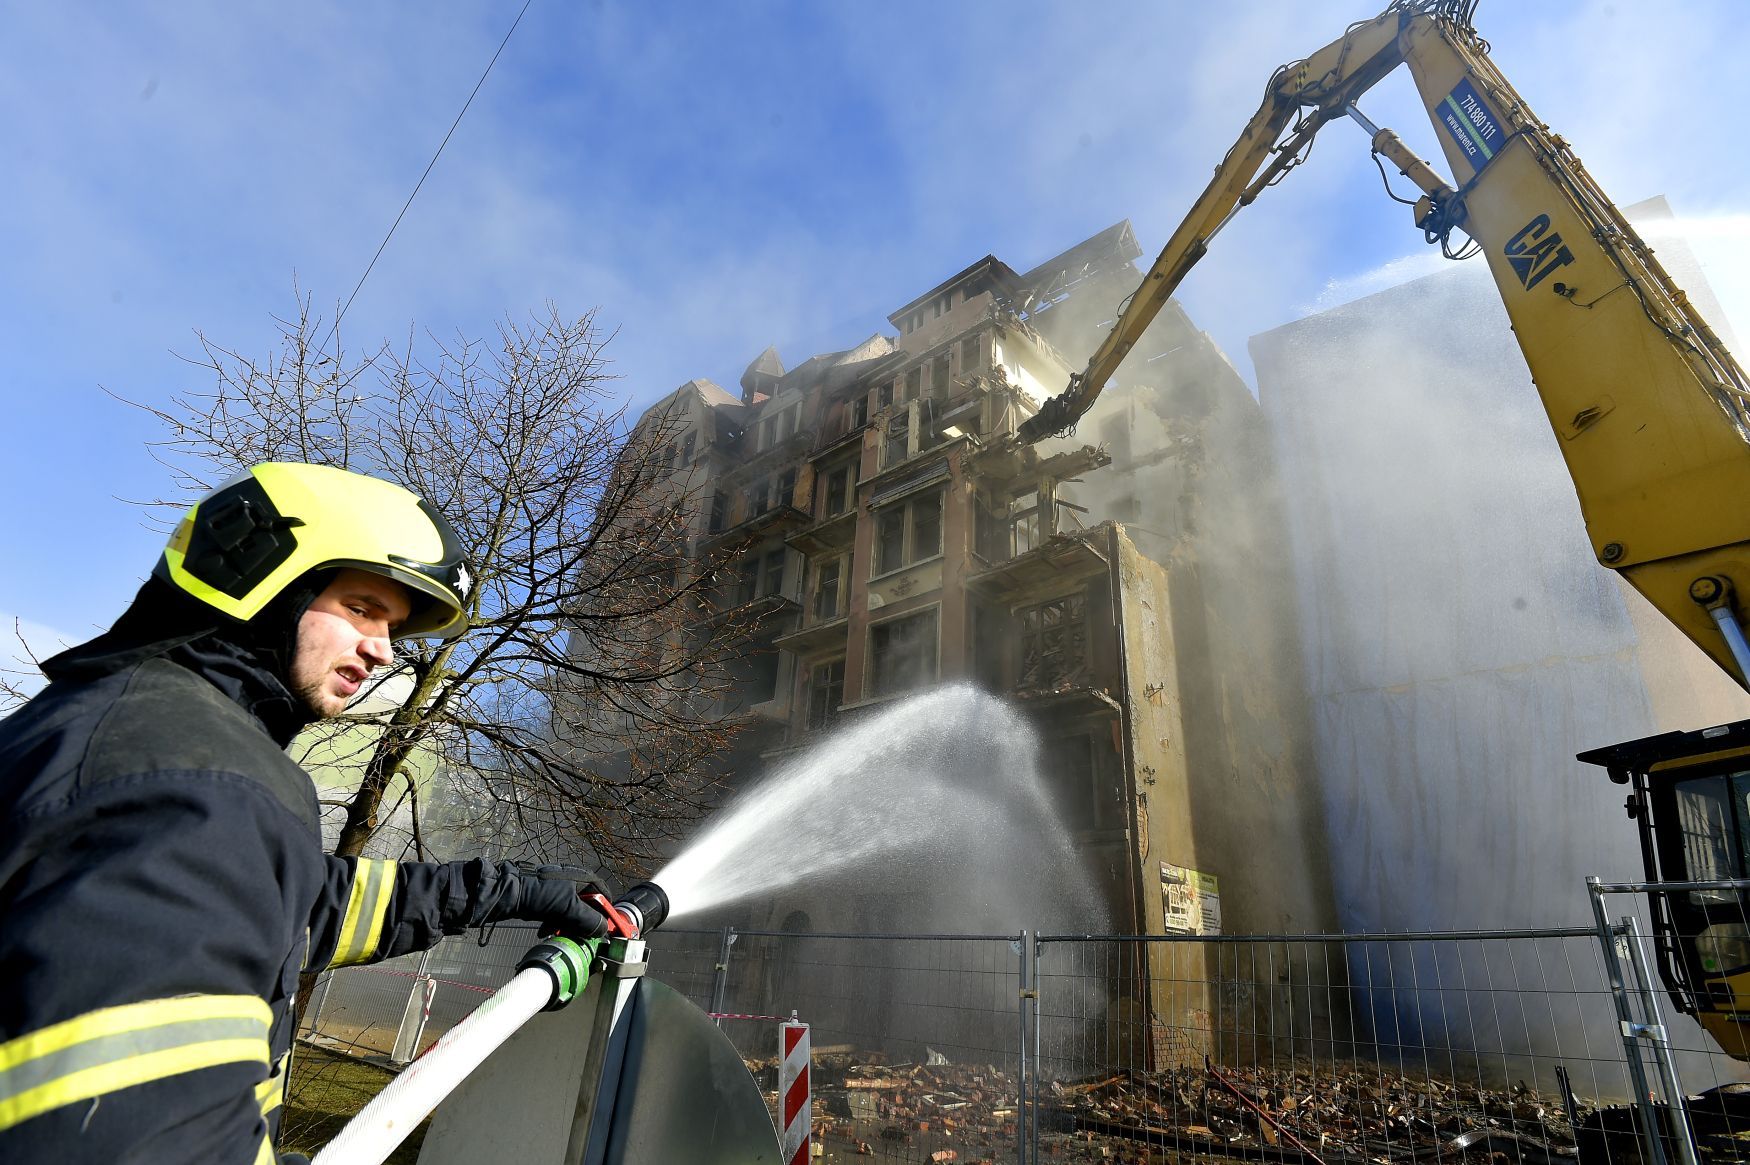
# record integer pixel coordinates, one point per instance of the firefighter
(162, 877)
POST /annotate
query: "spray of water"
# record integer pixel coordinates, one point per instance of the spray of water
(942, 791)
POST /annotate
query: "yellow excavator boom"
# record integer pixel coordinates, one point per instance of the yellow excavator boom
(1651, 412)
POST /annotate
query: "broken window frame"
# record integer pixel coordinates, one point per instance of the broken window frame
(916, 635)
(838, 494)
(772, 574)
(761, 574)
(941, 380)
(1084, 782)
(896, 438)
(831, 577)
(914, 382)
(990, 530)
(757, 493)
(1027, 530)
(971, 354)
(826, 693)
(1055, 653)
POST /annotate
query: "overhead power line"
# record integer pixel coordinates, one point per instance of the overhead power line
(428, 168)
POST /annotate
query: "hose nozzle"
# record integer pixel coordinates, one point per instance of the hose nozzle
(646, 904)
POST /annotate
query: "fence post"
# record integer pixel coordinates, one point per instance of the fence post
(415, 1013)
(318, 996)
(1660, 1040)
(1631, 1031)
(1022, 946)
(1038, 1047)
(720, 973)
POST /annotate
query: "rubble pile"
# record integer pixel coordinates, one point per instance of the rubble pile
(934, 1112)
(1358, 1114)
(1362, 1112)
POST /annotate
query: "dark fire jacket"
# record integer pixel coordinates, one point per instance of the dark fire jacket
(162, 884)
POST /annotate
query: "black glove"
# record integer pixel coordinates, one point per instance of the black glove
(554, 903)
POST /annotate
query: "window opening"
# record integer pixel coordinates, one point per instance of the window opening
(826, 590)
(969, 355)
(897, 447)
(838, 491)
(1027, 531)
(902, 653)
(908, 533)
(826, 691)
(890, 540)
(1054, 644)
(774, 580)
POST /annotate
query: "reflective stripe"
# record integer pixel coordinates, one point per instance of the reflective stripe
(373, 888)
(118, 1047)
(271, 1093)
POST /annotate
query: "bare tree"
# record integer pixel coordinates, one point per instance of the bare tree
(579, 713)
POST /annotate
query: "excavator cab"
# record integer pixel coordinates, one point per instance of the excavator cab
(1690, 800)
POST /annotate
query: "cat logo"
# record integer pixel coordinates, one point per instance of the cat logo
(1536, 251)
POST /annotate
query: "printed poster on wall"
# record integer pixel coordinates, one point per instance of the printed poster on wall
(1190, 900)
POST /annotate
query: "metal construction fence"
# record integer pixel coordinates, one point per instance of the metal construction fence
(1522, 1046)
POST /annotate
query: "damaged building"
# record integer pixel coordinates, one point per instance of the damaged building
(1125, 585)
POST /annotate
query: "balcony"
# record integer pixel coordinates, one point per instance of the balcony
(835, 533)
(776, 520)
(755, 615)
(812, 638)
(1062, 560)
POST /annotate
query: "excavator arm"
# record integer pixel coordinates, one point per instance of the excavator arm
(1308, 94)
(1651, 412)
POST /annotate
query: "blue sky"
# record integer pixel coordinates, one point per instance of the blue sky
(712, 177)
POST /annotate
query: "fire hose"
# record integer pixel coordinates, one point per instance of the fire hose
(552, 974)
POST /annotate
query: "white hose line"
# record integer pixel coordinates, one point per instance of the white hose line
(397, 1110)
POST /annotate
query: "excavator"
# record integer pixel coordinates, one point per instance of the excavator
(1651, 412)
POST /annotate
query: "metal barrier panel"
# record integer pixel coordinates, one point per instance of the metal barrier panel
(360, 1008)
(916, 1039)
(1673, 947)
(988, 1048)
(1356, 1047)
(687, 961)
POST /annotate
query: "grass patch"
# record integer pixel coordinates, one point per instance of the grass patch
(325, 1090)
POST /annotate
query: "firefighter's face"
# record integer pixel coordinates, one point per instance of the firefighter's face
(344, 636)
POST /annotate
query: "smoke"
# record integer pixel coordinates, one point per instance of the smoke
(1462, 645)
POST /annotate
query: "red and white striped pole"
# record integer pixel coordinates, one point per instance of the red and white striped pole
(793, 1088)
